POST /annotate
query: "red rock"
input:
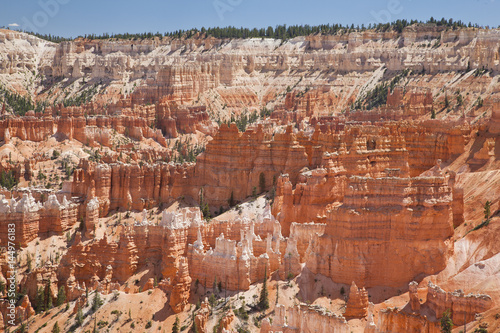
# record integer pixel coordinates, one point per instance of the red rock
(357, 303)
(300, 317)
(463, 308)
(414, 298)
(180, 287)
(201, 318)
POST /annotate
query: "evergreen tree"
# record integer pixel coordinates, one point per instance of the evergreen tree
(49, 301)
(446, 322)
(175, 327)
(231, 200)
(55, 328)
(446, 102)
(96, 303)
(79, 317)
(61, 296)
(40, 300)
(262, 182)
(214, 287)
(264, 294)
(277, 291)
(487, 209)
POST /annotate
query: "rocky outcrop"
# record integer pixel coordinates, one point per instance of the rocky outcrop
(201, 318)
(131, 186)
(357, 304)
(32, 219)
(463, 308)
(394, 320)
(426, 317)
(387, 231)
(91, 221)
(414, 298)
(231, 263)
(88, 262)
(303, 318)
(26, 128)
(226, 321)
(180, 287)
(21, 312)
(42, 277)
(56, 217)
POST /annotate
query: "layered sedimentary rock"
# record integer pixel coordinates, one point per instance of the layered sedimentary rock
(27, 128)
(414, 298)
(235, 161)
(29, 218)
(463, 308)
(201, 318)
(357, 303)
(91, 217)
(401, 105)
(88, 262)
(306, 319)
(21, 312)
(131, 186)
(387, 231)
(231, 263)
(42, 277)
(57, 217)
(393, 320)
(180, 287)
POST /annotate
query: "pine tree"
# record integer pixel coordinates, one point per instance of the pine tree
(264, 294)
(55, 328)
(49, 301)
(175, 327)
(214, 287)
(262, 182)
(40, 300)
(446, 101)
(79, 317)
(277, 291)
(487, 209)
(61, 296)
(96, 303)
(446, 322)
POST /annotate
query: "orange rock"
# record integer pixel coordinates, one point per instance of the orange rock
(393, 320)
(391, 255)
(463, 308)
(295, 319)
(180, 287)
(201, 318)
(414, 298)
(357, 303)
(226, 321)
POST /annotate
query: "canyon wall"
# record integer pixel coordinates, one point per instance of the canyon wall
(387, 231)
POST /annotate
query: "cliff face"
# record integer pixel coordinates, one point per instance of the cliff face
(232, 75)
(33, 219)
(374, 237)
(302, 318)
(462, 307)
